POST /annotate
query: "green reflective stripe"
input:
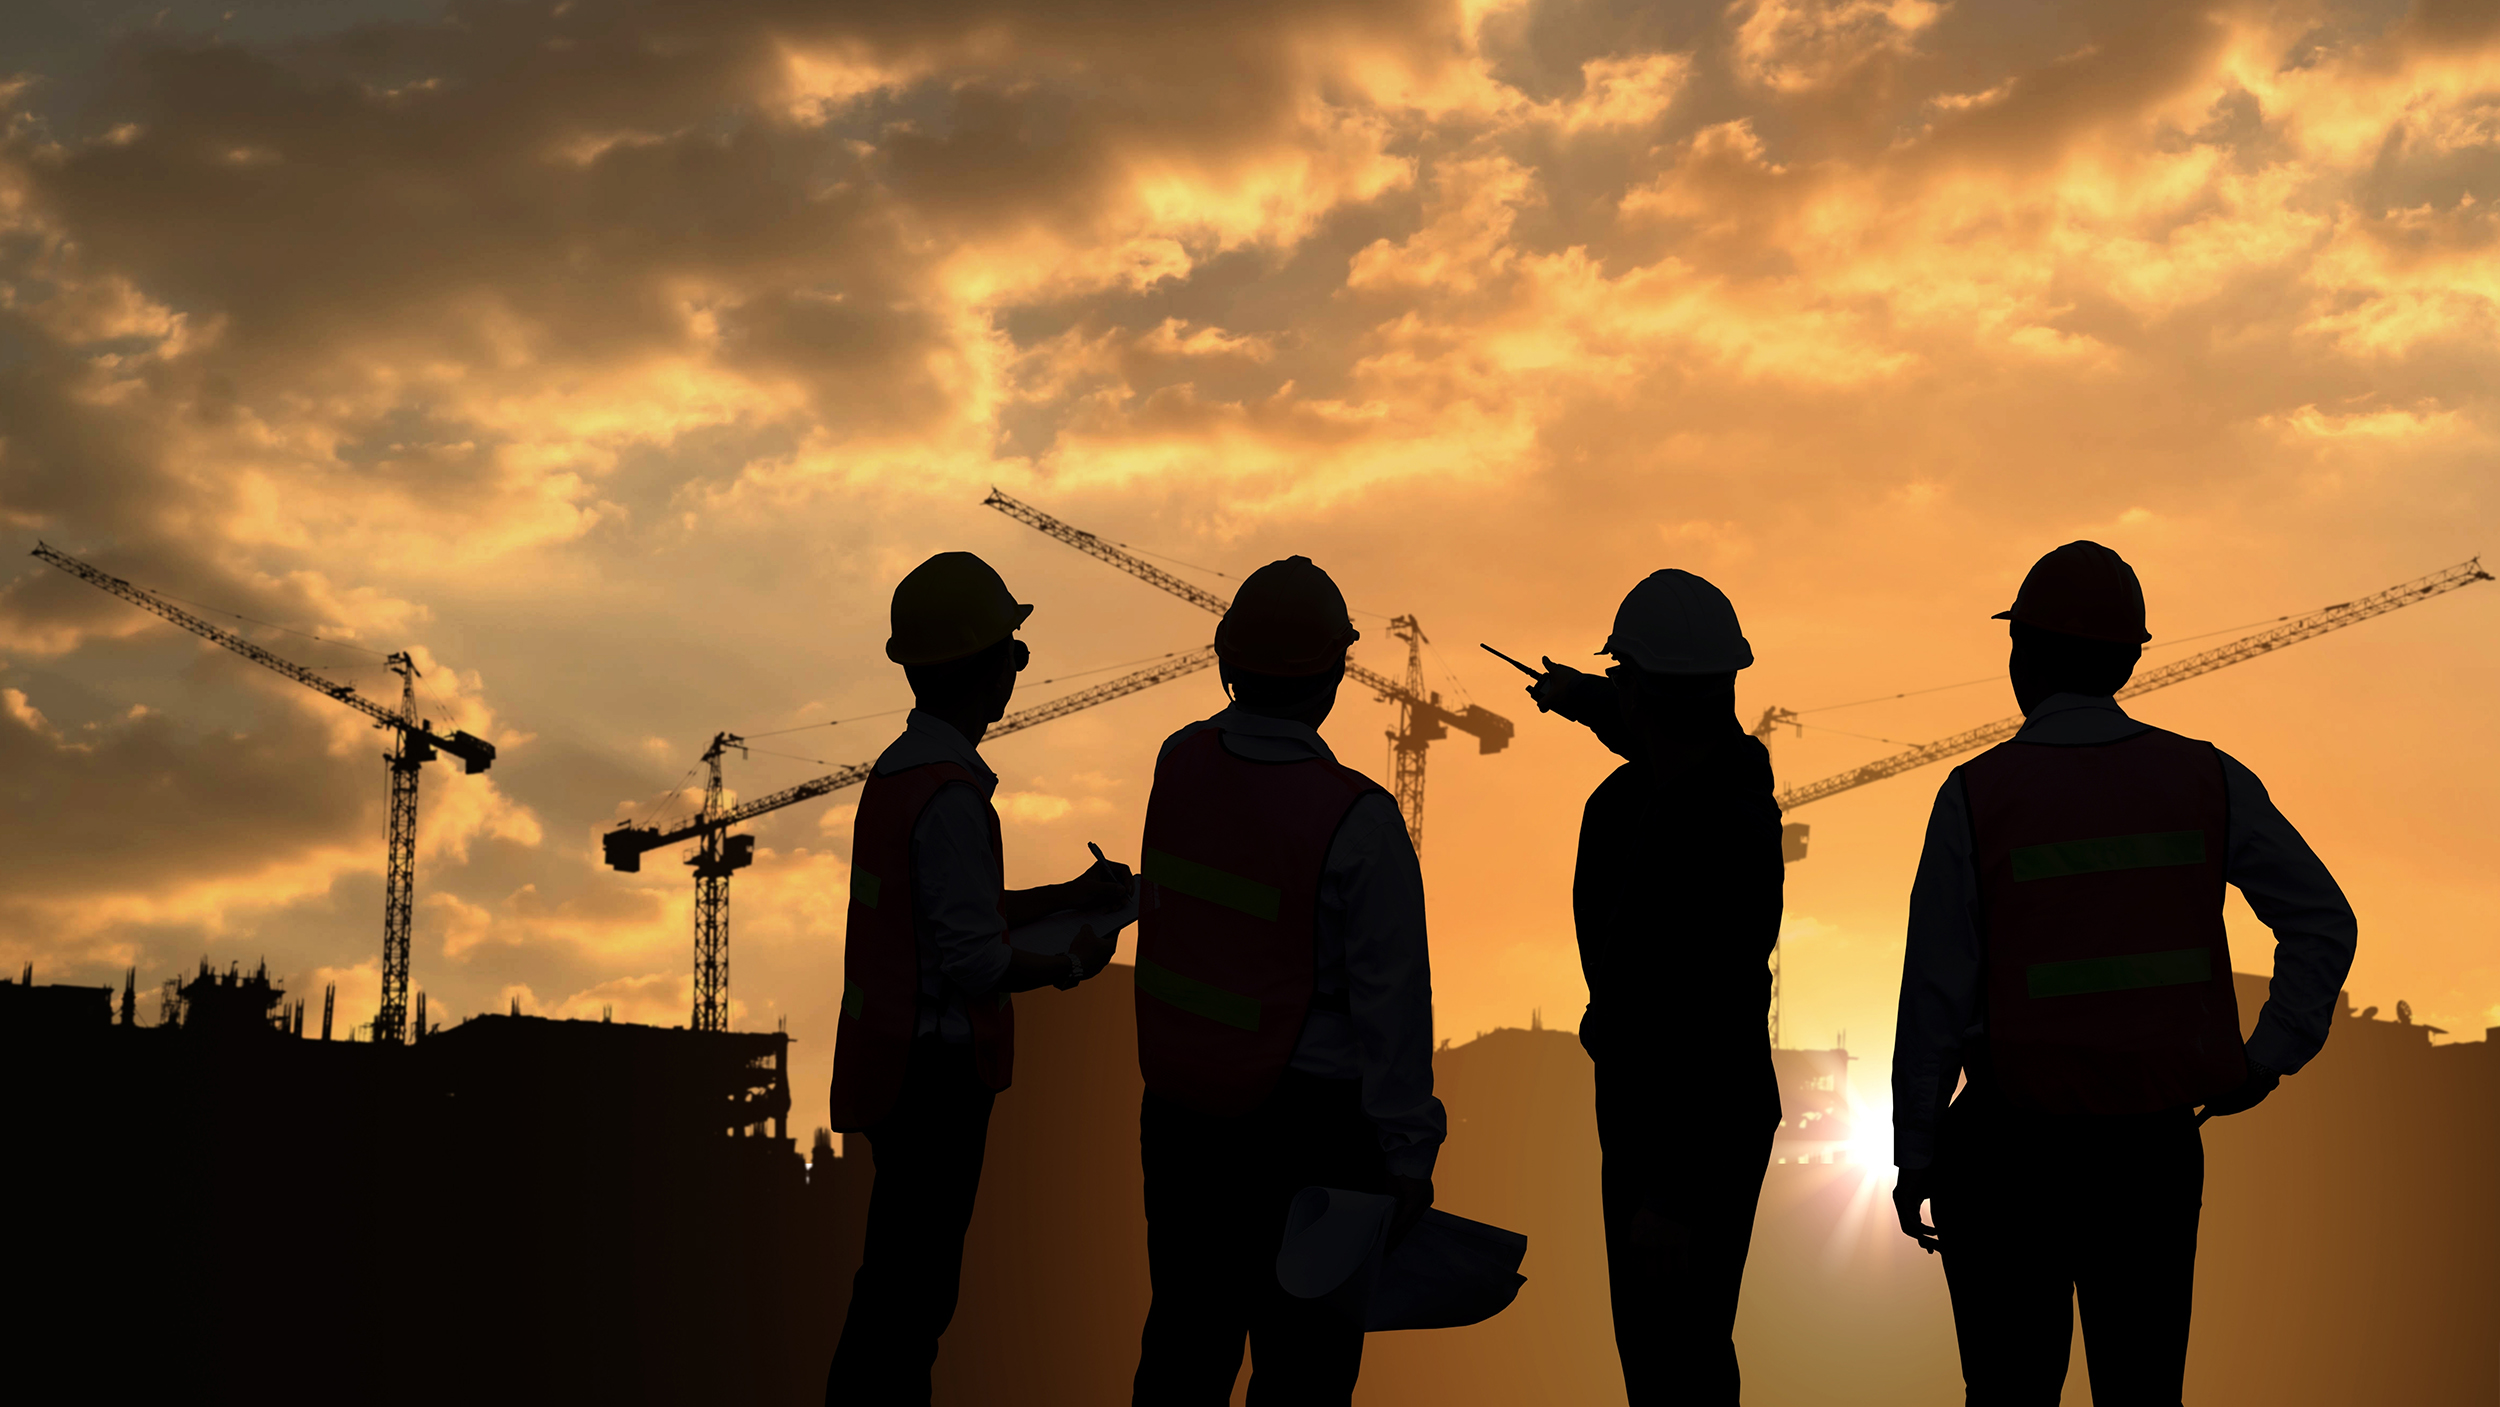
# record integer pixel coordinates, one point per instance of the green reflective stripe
(853, 1000)
(864, 888)
(1215, 886)
(2176, 968)
(2117, 852)
(1194, 996)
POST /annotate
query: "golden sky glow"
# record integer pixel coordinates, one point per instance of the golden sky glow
(620, 358)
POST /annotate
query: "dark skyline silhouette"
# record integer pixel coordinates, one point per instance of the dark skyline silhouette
(551, 1209)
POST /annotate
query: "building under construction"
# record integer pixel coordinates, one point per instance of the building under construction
(508, 1208)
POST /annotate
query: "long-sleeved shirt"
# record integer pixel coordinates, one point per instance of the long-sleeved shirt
(1943, 1001)
(1369, 945)
(956, 878)
(1676, 896)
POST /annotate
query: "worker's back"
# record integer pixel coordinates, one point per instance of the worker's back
(1676, 898)
(2100, 874)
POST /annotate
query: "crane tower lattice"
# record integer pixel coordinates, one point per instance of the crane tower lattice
(414, 743)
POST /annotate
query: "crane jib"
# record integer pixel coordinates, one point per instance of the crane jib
(2247, 647)
(1492, 731)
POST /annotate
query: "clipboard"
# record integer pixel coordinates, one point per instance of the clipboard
(1052, 933)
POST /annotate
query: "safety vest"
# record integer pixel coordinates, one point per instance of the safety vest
(1225, 956)
(2100, 898)
(881, 956)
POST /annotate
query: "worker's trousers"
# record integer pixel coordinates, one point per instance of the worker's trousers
(1217, 1190)
(2035, 1214)
(1675, 1316)
(928, 1163)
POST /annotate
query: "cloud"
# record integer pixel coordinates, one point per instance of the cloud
(613, 360)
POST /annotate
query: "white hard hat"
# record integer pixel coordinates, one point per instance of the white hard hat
(1449, 1272)
(1676, 623)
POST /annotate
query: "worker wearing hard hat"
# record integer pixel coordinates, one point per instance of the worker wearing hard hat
(1284, 1008)
(926, 1036)
(1677, 900)
(2067, 962)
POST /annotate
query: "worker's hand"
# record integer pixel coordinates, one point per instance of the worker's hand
(2250, 1093)
(1092, 949)
(1666, 1244)
(1569, 692)
(1914, 1188)
(1414, 1194)
(1103, 887)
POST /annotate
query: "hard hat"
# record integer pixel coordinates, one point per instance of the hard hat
(1289, 620)
(952, 606)
(1676, 623)
(1449, 1272)
(2082, 589)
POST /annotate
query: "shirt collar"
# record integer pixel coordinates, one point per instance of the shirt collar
(928, 738)
(2078, 718)
(1241, 721)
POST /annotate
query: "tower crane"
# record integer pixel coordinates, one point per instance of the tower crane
(719, 854)
(413, 744)
(2248, 647)
(1422, 719)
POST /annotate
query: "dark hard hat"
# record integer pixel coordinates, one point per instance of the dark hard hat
(1288, 620)
(951, 607)
(2082, 589)
(1676, 623)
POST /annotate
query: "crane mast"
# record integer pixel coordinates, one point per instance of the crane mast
(414, 743)
(1421, 717)
(1416, 728)
(719, 856)
(399, 880)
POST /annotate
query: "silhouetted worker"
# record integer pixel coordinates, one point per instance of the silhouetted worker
(1284, 1008)
(2066, 955)
(1677, 900)
(926, 1038)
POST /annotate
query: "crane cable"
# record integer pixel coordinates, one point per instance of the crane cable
(1993, 678)
(888, 713)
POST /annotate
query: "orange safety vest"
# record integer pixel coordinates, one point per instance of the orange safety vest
(2100, 899)
(1225, 955)
(881, 956)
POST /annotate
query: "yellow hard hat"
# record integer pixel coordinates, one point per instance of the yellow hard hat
(952, 606)
(1289, 619)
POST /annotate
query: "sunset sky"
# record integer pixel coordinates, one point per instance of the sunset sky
(618, 358)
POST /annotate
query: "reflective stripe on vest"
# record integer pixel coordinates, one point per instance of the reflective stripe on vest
(2108, 975)
(881, 957)
(1233, 855)
(1204, 999)
(2117, 852)
(1215, 886)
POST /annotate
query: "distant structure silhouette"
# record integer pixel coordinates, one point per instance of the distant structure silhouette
(570, 1214)
(2067, 964)
(1677, 890)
